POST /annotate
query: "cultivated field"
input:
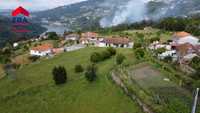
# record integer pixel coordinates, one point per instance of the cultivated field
(34, 91)
(164, 95)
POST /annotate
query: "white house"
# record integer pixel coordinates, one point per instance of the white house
(89, 38)
(115, 42)
(42, 50)
(171, 53)
(73, 37)
(184, 37)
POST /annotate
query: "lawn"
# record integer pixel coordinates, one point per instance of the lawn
(34, 91)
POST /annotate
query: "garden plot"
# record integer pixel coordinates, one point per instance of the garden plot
(162, 90)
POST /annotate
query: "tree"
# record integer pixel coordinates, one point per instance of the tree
(139, 53)
(95, 57)
(195, 63)
(78, 69)
(112, 50)
(52, 36)
(120, 58)
(59, 75)
(90, 73)
(105, 55)
(137, 45)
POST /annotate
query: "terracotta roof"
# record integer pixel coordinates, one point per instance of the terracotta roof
(89, 34)
(43, 47)
(117, 40)
(181, 34)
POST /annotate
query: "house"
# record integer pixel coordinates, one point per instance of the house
(184, 37)
(171, 53)
(41, 50)
(90, 35)
(89, 38)
(73, 37)
(115, 42)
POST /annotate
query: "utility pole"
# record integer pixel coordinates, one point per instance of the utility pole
(195, 101)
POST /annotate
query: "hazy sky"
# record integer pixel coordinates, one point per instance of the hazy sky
(35, 4)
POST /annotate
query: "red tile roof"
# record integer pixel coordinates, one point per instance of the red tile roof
(89, 34)
(117, 40)
(181, 34)
(44, 47)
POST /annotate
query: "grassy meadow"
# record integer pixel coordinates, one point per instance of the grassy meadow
(34, 91)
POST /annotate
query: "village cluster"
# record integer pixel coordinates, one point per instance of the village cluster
(182, 47)
(86, 39)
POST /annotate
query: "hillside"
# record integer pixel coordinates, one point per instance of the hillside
(34, 91)
(7, 35)
(89, 13)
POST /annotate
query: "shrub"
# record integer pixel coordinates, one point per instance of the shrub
(139, 53)
(112, 50)
(168, 59)
(95, 57)
(79, 69)
(137, 45)
(160, 50)
(59, 75)
(33, 58)
(195, 63)
(105, 55)
(120, 58)
(90, 73)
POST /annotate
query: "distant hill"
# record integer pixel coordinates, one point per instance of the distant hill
(87, 14)
(7, 35)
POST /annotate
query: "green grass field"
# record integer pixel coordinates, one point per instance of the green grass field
(34, 91)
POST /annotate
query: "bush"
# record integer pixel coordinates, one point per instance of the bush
(90, 73)
(59, 75)
(160, 50)
(120, 58)
(95, 57)
(168, 59)
(195, 63)
(112, 50)
(33, 58)
(137, 45)
(79, 69)
(105, 55)
(139, 53)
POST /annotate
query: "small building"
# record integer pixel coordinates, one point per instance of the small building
(171, 53)
(41, 50)
(89, 35)
(73, 37)
(89, 38)
(115, 42)
(184, 37)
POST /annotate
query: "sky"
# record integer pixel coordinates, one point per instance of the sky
(35, 4)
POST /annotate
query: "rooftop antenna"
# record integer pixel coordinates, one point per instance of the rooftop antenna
(195, 101)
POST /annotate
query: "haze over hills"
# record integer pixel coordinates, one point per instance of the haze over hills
(113, 12)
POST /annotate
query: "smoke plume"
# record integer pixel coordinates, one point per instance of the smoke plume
(132, 11)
